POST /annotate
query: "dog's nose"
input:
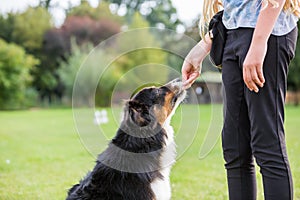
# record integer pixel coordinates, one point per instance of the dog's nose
(175, 85)
(176, 80)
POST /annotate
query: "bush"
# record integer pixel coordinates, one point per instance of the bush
(85, 78)
(15, 78)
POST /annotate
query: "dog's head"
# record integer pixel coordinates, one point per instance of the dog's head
(155, 104)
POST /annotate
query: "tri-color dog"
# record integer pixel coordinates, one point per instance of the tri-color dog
(136, 165)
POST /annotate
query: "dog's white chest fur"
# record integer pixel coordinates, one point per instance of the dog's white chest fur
(162, 187)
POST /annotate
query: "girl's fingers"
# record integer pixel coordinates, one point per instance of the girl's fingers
(191, 79)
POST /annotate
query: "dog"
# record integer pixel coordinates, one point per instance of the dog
(137, 162)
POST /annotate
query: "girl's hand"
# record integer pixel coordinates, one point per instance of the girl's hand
(189, 74)
(253, 66)
(192, 64)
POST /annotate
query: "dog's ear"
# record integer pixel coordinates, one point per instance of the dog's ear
(139, 113)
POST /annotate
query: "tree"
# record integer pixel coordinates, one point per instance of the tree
(57, 46)
(142, 50)
(157, 13)
(86, 25)
(69, 68)
(164, 13)
(82, 69)
(30, 27)
(15, 78)
(86, 29)
(113, 65)
(7, 26)
(27, 29)
(45, 3)
(134, 41)
(102, 11)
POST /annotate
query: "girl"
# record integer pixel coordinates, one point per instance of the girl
(261, 41)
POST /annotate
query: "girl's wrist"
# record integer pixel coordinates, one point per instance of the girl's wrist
(260, 38)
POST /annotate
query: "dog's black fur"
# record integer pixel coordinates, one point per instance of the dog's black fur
(119, 173)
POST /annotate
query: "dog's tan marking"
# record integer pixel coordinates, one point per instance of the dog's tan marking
(162, 112)
(168, 100)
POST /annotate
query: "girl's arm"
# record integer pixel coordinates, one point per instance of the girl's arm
(253, 64)
(191, 67)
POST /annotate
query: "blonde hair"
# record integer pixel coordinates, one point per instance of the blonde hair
(211, 7)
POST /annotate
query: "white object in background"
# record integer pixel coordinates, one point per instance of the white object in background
(100, 117)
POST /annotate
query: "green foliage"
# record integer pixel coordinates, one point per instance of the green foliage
(7, 26)
(157, 13)
(139, 22)
(82, 70)
(84, 9)
(30, 27)
(15, 78)
(164, 13)
(87, 25)
(68, 69)
(294, 70)
(27, 29)
(45, 3)
(97, 70)
(102, 12)
(294, 73)
(143, 49)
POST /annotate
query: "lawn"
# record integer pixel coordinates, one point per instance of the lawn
(42, 155)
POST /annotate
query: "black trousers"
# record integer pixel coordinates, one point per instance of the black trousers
(254, 123)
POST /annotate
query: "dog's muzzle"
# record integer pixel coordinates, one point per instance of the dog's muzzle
(176, 86)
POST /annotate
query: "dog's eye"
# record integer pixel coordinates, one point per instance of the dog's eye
(157, 92)
(139, 110)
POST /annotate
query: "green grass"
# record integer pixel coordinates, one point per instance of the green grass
(46, 156)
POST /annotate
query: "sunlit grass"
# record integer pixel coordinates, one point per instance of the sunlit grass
(42, 155)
